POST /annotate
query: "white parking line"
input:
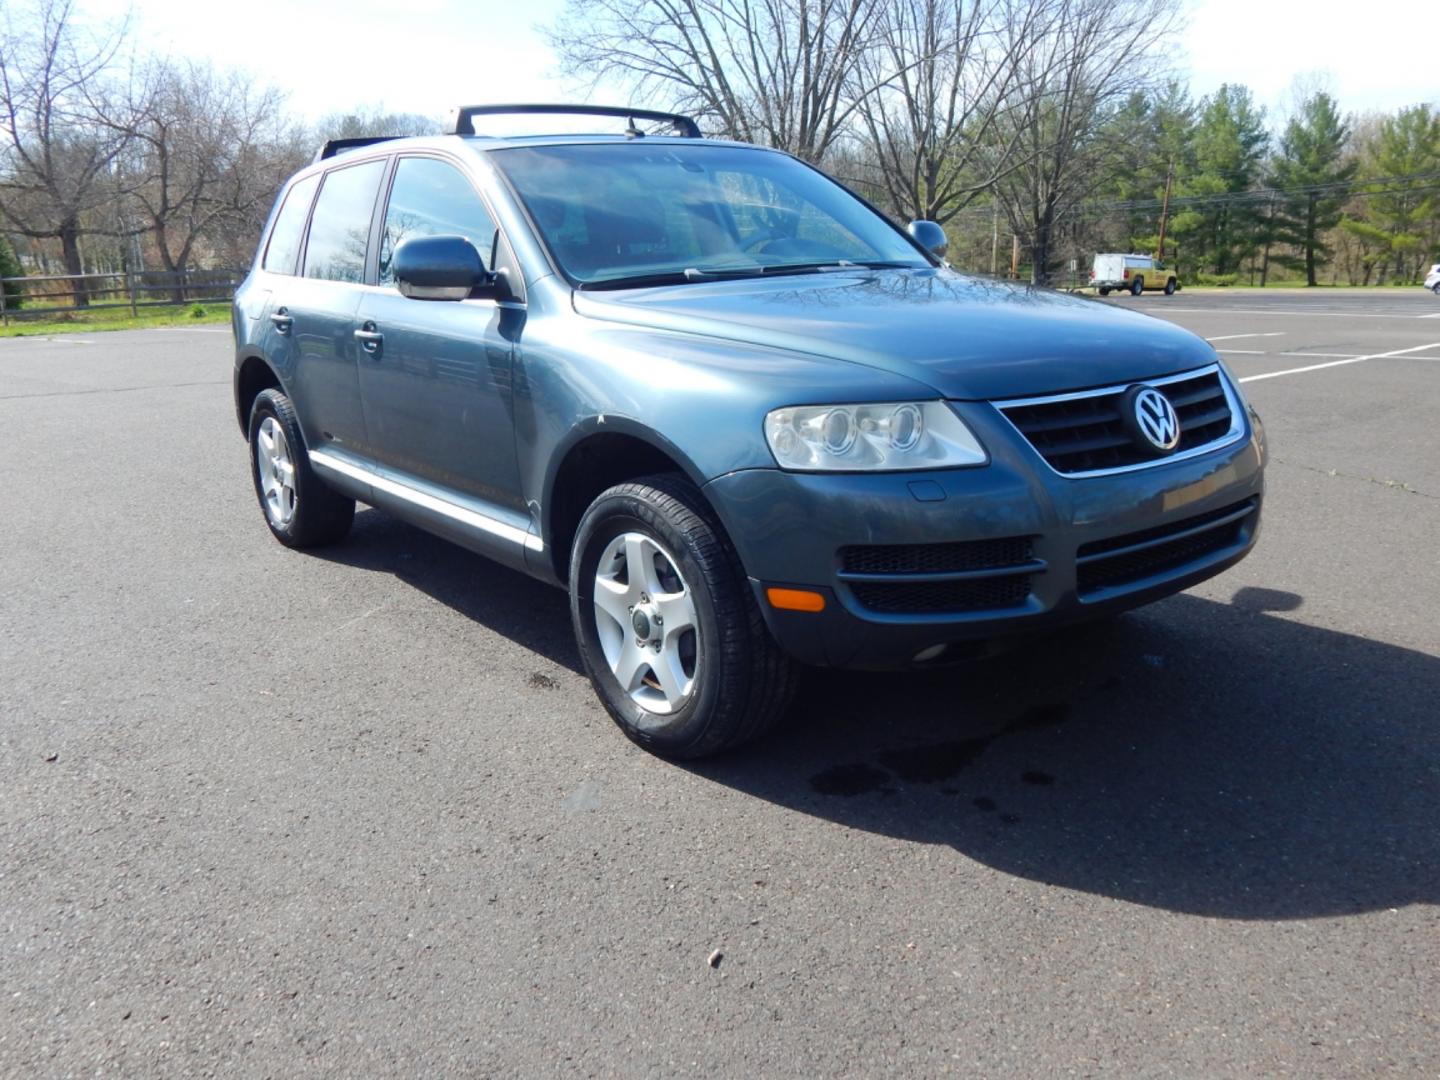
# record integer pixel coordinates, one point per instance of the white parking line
(1292, 313)
(1340, 363)
(1232, 337)
(1243, 352)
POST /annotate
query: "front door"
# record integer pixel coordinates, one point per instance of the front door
(435, 374)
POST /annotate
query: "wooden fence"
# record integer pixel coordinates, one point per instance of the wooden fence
(52, 294)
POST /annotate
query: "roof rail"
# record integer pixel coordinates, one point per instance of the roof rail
(339, 146)
(461, 116)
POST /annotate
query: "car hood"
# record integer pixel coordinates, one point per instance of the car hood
(969, 338)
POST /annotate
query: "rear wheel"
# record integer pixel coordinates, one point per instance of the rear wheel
(1170, 287)
(1137, 286)
(300, 510)
(1104, 290)
(668, 628)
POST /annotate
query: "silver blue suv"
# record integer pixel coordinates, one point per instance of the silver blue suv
(744, 419)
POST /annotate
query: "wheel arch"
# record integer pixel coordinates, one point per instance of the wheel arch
(253, 374)
(600, 453)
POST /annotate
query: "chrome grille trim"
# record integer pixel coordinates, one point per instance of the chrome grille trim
(1232, 399)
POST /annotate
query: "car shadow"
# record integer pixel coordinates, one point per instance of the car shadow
(1200, 757)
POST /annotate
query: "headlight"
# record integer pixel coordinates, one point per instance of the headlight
(894, 436)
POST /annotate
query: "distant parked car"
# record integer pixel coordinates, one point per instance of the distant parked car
(1432, 279)
(1131, 273)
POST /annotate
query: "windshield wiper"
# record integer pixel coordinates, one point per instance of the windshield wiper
(839, 264)
(675, 277)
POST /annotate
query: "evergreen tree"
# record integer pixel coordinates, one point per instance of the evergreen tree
(10, 268)
(1230, 142)
(1310, 171)
(1406, 213)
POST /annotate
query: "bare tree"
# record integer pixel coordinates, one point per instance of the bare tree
(198, 146)
(782, 72)
(56, 151)
(946, 74)
(1091, 56)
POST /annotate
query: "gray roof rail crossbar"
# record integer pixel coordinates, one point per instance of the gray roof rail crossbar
(461, 116)
(339, 146)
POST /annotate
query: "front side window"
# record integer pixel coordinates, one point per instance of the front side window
(432, 198)
(612, 213)
(340, 226)
(290, 227)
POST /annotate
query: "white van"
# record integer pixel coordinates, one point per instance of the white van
(1131, 273)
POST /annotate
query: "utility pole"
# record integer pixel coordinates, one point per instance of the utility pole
(994, 238)
(1165, 206)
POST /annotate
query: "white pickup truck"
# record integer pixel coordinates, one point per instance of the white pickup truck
(1131, 273)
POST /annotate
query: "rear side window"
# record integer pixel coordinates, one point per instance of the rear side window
(340, 226)
(289, 227)
(431, 198)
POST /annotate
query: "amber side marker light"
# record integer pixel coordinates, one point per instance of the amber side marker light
(795, 599)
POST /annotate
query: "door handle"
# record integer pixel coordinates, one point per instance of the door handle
(370, 339)
(282, 320)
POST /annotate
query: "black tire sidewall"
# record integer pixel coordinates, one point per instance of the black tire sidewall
(1137, 287)
(673, 733)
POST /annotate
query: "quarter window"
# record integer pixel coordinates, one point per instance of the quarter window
(290, 226)
(431, 198)
(340, 226)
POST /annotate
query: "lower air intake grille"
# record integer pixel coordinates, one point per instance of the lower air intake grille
(937, 597)
(936, 558)
(1123, 560)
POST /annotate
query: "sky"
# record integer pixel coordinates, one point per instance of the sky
(424, 56)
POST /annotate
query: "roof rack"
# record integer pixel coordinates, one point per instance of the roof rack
(461, 116)
(339, 146)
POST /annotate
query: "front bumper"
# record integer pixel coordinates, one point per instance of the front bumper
(790, 529)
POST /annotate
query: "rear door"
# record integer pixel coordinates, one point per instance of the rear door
(315, 312)
(435, 374)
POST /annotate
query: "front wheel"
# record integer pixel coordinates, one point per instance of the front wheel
(1137, 286)
(1435, 288)
(668, 628)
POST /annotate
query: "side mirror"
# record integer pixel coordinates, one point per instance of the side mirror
(930, 236)
(439, 268)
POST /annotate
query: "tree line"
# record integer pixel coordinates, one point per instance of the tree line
(1054, 125)
(1052, 122)
(112, 160)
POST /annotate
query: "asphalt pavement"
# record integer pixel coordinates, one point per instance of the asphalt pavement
(357, 813)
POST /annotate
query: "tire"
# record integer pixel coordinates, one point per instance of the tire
(1104, 290)
(302, 512)
(728, 681)
(1137, 286)
(1435, 288)
(1170, 287)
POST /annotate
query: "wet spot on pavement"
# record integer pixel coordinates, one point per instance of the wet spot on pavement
(857, 778)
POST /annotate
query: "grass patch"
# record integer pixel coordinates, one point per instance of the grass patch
(90, 322)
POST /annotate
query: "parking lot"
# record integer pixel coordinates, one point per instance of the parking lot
(357, 812)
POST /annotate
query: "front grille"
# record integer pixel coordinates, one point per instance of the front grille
(936, 558)
(1088, 434)
(932, 579)
(940, 597)
(1123, 560)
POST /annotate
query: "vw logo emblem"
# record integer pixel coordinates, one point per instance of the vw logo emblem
(1154, 418)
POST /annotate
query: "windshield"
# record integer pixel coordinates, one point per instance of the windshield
(614, 214)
